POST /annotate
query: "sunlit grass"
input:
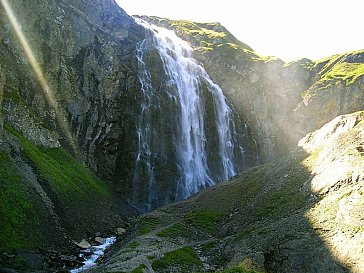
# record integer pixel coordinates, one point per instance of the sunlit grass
(63, 173)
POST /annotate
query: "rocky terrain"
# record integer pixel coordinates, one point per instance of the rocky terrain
(70, 100)
(302, 213)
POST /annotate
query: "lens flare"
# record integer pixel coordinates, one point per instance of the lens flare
(46, 90)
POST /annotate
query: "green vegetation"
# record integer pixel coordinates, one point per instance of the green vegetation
(205, 36)
(18, 212)
(185, 258)
(205, 220)
(345, 72)
(147, 224)
(174, 231)
(63, 173)
(139, 269)
(208, 246)
(341, 68)
(15, 97)
(134, 244)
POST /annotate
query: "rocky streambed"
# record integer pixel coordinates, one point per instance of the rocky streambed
(92, 253)
(79, 257)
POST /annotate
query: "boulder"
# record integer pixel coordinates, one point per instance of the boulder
(83, 244)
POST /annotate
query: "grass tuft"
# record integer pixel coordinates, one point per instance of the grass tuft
(184, 258)
(205, 220)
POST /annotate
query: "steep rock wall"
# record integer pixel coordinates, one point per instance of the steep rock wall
(87, 54)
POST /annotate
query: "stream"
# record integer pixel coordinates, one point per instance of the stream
(92, 253)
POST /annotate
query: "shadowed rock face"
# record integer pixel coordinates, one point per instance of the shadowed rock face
(87, 54)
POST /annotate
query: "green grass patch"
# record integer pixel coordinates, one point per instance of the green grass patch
(15, 97)
(175, 231)
(204, 220)
(341, 68)
(134, 244)
(184, 258)
(63, 173)
(139, 269)
(147, 224)
(18, 214)
(345, 72)
(208, 246)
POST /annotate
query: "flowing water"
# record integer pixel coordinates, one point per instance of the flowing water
(93, 253)
(186, 128)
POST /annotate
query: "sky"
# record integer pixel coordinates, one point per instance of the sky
(288, 29)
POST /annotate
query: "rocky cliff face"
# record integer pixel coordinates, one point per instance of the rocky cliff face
(82, 100)
(302, 213)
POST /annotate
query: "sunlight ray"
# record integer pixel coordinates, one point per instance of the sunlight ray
(46, 90)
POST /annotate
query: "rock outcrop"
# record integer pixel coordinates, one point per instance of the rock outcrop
(302, 213)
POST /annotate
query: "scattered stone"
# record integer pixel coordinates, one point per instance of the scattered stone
(120, 231)
(83, 244)
(10, 256)
(99, 240)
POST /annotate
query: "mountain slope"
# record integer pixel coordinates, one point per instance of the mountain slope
(302, 213)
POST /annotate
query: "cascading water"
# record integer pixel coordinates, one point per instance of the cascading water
(186, 132)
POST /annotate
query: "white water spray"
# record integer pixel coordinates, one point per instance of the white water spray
(185, 82)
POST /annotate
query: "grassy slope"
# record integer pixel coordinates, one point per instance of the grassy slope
(67, 182)
(18, 211)
(63, 173)
(346, 68)
(201, 222)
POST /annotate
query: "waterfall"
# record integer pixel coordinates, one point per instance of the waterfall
(187, 137)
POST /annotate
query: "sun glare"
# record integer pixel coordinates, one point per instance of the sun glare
(46, 90)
